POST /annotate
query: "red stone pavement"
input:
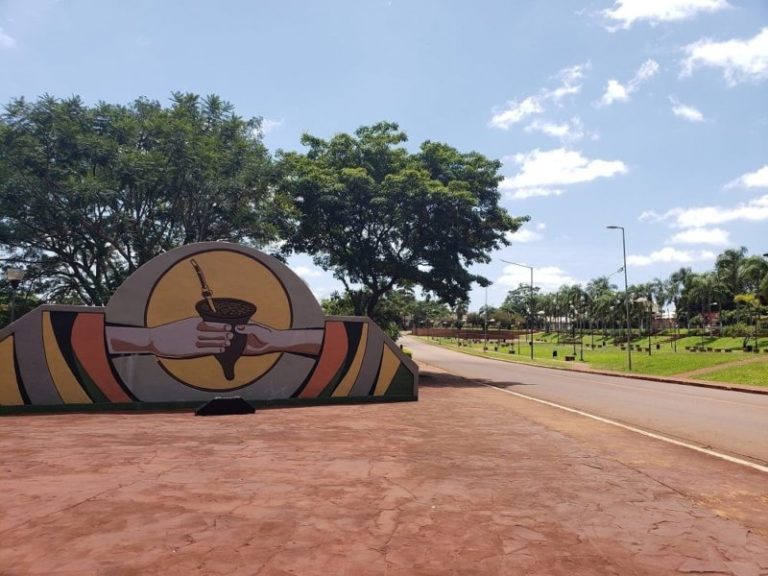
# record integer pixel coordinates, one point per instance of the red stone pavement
(468, 480)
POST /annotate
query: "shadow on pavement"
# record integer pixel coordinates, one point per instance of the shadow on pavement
(443, 380)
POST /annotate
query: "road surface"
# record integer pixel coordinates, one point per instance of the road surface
(730, 422)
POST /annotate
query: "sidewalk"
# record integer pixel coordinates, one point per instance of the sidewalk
(469, 480)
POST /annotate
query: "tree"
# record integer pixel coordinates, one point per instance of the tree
(754, 271)
(729, 270)
(678, 285)
(380, 217)
(519, 300)
(90, 193)
(704, 289)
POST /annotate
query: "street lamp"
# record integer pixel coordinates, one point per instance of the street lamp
(530, 306)
(626, 290)
(14, 276)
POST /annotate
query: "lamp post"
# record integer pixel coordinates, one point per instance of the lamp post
(530, 305)
(626, 290)
(14, 276)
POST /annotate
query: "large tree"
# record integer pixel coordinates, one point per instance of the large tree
(90, 193)
(380, 217)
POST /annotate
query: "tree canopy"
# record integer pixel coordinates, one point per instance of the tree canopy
(381, 217)
(90, 193)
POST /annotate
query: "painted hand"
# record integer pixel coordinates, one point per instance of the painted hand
(261, 339)
(189, 338)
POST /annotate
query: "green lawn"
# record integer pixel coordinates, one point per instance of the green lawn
(662, 362)
(754, 374)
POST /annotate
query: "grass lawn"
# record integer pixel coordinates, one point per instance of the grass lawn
(662, 362)
(755, 374)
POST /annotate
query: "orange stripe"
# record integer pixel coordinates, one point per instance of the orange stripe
(89, 347)
(331, 358)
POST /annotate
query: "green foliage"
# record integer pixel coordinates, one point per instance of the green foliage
(24, 301)
(739, 329)
(90, 193)
(394, 312)
(380, 217)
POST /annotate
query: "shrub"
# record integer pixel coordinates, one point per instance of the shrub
(738, 330)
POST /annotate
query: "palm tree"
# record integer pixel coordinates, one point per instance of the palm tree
(728, 268)
(596, 291)
(754, 272)
(705, 288)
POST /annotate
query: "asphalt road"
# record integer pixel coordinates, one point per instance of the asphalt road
(730, 422)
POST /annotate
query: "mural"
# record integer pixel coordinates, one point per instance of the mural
(201, 321)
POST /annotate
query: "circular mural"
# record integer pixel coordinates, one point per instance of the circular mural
(215, 283)
(242, 290)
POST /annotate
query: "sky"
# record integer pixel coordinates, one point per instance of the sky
(646, 114)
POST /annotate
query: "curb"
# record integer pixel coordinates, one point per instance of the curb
(649, 377)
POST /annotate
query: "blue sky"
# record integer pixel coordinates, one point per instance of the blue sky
(649, 114)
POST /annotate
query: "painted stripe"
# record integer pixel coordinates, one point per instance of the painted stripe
(69, 388)
(91, 351)
(707, 451)
(31, 364)
(354, 369)
(389, 365)
(9, 380)
(332, 356)
(366, 380)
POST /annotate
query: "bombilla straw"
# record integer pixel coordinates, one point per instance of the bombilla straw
(206, 291)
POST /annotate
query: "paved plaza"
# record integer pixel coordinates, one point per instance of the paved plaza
(468, 480)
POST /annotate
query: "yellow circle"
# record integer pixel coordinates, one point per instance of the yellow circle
(229, 275)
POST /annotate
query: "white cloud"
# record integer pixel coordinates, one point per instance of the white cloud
(268, 125)
(515, 112)
(540, 170)
(740, 60)
(686, 112)
(615, 91)
(569, 131)
(755, 210)
(626, 12)
(308, 272)
(669, 255)
(547, 278)
(713, 236)
(648, 69)
(523, 236)
(757, 179)
(6, 41)
(569, 78)
(518, 110)
(523, 193)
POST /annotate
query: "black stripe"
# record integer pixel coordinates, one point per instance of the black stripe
(19, 381)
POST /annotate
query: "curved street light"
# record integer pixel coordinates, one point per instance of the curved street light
(530, 305)
(14, 276)
(626, 291)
